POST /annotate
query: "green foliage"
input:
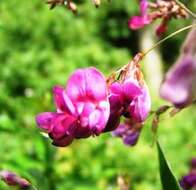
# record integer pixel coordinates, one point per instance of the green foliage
(39, 49)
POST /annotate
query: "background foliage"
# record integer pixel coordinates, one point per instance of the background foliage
(40, 48)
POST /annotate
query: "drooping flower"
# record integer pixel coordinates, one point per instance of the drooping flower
(82, 108)
(12, 179)
(179, 86)
(133, 99)
(129, 98)
(188, 181)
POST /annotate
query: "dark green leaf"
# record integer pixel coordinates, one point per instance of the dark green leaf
(168, 179)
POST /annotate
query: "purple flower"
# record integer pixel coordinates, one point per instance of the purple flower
(12, 179)
(188, 182)
(131, 98)
(179, 86)
(137, 22)
(128, 132)
(82, 108)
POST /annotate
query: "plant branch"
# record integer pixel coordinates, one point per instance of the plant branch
(169, 36)
(186, 9)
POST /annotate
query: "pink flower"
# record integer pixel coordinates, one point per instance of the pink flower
(179, 86)
(132, 98)
(137, 22)
(82, 108)
(128, 99)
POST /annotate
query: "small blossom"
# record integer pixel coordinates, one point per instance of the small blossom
(12, 179)
(82, 108)
(180, 82)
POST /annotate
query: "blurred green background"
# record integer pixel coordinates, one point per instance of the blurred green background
(40, 48)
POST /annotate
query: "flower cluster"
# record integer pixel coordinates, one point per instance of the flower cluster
(161, 9)
(188, 182)
(90, 105)
(12, 179)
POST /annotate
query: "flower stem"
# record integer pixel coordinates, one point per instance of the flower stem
(167, 37)
(186, 9)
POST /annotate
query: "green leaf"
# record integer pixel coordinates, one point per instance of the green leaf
(168, 179)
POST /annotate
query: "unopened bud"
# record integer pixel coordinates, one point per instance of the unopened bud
(12, 179)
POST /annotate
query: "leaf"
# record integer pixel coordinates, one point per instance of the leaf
(168, 179)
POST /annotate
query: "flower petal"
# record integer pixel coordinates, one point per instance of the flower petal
(65, 141)
(143, 7)
(62, 125)
(86, 84)
(140, 106)
(58, 98)
(137, 22)
(44, 120)
(179, 86)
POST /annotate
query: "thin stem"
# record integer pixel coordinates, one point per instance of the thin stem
(186, 9)
(169, 36)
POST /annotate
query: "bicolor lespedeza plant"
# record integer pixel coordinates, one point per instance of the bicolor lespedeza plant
(91, 104)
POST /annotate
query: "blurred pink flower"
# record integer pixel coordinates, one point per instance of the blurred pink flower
(82, 108)
(137, 22)
(179, 86)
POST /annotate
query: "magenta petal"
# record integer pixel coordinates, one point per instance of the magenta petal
(69, 104)
(116, 88)
(140, 106)
(131, 89)
(87, 109)
(94, 118)
(62, 125)
(86, 84)
(44, 120)
(58, 98)
(137, 22)
(143, 7)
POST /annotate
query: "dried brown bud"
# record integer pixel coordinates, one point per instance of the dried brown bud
(72, 6)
